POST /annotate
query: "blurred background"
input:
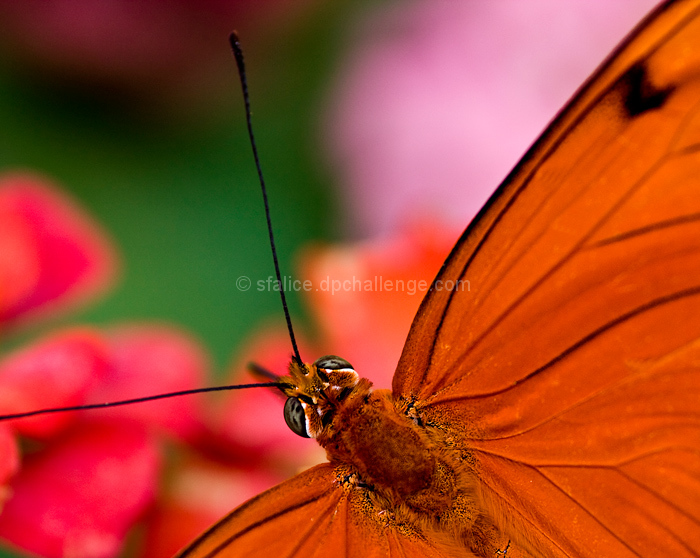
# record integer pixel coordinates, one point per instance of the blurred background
(135, 108)
(369, 115)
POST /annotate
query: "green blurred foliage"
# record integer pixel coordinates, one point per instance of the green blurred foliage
(180, 195)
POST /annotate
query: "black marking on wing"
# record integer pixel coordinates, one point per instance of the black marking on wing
(639, 94)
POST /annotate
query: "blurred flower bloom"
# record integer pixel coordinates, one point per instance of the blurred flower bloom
(61, 501)
(439, 99)
(63, 498)
(51, 255)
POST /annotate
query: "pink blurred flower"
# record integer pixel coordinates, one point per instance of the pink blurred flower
(439, 99)
(52, 256)
(57, 370)
(61, 500)
(149, 359)
(80, 496)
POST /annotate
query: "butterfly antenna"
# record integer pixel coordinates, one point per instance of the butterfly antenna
(258, 370)
(136, 400)
(238, 54)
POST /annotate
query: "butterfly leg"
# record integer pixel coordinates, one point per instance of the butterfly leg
(504, 551)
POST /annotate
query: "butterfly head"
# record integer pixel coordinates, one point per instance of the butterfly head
(314, 391)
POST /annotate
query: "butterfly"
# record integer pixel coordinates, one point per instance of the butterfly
(552, 409)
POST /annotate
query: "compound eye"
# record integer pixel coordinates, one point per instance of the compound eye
(332, 362)
(295, 417)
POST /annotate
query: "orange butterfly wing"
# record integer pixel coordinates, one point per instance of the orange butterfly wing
(573, 361)
(311, 516)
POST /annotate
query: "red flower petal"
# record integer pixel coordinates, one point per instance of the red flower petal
(79, 497)
(62, 254)
(19, 261)
(54, 372)
(9, 460)
(151, 360)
